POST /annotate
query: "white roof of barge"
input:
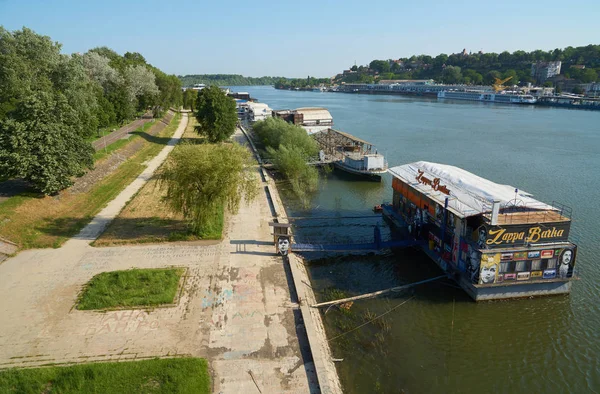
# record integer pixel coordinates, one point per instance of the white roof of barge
(314, 113)
(256, 105)
(469, 194)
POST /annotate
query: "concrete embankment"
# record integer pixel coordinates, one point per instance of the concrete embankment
(327, 376)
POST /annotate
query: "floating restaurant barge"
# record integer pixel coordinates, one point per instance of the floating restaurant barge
(345, 151)
(496, 241)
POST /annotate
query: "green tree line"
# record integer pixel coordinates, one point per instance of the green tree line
(52, 103)
(293, 83)
(482, 68)
(225, 80)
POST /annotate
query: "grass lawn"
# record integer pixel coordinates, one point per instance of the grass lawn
(131, 288)
(170, 375)
(147, 218)
(34, 221)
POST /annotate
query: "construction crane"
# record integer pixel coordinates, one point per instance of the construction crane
(499, 84)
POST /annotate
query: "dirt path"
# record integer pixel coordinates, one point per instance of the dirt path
(122, 132)
(106, 166)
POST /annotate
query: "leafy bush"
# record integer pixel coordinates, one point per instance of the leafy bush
(200, 179)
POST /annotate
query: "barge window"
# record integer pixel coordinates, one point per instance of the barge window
(523, 265)
(536, 265)
(507, 266)
(550, 263)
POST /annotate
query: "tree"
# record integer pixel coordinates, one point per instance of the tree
(440, 60)
(47, 106)
(505, 58)
(216, 114)
(514, 78)
(490, 77)
(354, 68)
(98, 69)
(473, 77)
(141, 86)
(578, 90)
(290, 148)
(276, 132)
(395, 67)
(170, 94)
(189, 99)
(452, 74)
(201, 179)
(382, 66)
(588, 75)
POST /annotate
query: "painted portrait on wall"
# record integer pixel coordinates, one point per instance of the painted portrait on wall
(439, 213)
(565, 263)
(490, 264)
(481, 236)
(283, 245)
(473, 261)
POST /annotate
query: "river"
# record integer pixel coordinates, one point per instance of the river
(436, 340)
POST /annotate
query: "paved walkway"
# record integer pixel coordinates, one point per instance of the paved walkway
(235, 307)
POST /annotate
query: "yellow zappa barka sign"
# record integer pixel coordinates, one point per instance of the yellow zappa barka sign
(522, 235)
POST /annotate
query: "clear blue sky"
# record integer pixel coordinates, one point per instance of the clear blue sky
(300, 38)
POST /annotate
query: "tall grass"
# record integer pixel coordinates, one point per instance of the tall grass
(132, 288)
(170, 375)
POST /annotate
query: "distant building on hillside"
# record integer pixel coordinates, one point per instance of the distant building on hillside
(541, 71)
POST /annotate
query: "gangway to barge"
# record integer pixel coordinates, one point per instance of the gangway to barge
(364, 244)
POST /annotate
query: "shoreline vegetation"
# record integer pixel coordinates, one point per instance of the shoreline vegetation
(289, 148)
(225, 80)
(579, 64)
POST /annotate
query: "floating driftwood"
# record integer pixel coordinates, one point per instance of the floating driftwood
(376, 293)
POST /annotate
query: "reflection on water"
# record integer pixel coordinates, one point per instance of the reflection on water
(440, 340)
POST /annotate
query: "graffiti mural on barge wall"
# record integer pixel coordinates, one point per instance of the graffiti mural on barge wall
(526, 265)
(490, 265)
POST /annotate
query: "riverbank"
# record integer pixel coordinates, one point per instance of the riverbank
(431, 92)
(520, 344)
(321, 353)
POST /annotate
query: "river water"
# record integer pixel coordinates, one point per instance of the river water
(434, 339)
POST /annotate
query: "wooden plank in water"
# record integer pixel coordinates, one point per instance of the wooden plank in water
(376, 293)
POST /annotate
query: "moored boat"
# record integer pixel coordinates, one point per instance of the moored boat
(496, 241)
(487, 96)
